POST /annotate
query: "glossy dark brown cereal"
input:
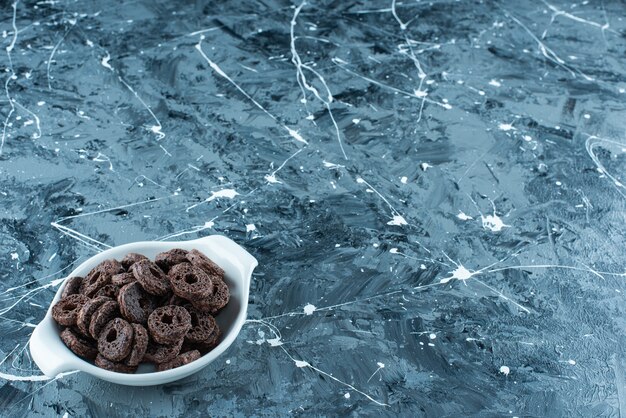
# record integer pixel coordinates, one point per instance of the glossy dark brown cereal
(116, 340)
(132, 258)
(135, 303)
(109, 290)
(190, 282)
(65, 311)
(106, 364)
(122, 279)
(72, 286)
(80, 346)
(160, 353)
(168, 259)
(180, 360)
(100, 276)
(140, 344)
(169, 324)
(151, 277)
(198, 259)
(218, 299)
(105, 313)
(87, 311)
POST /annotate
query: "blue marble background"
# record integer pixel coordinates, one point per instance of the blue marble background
(434, 191)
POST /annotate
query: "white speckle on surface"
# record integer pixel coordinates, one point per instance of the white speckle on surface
(393, 251)
(41, 103)
(309, 309)
(360, 180)
(105, 62)
(460, 273)
(432, 336)
(381, 365)
(274, 342)
(227, 361)
(271, 178)
(403, 179)
(356, 121)
(586, 116)
(332, 165)
(558, 183)
(337, 245)
(346, 395)
(493, 223)
(422, 266)
(505, 370)
(397, 220)
(376, 245)
(228, 193)
(572, 362)
(15, 256)
(209, 224)
(506, 127)
(462, 216)
(495, 83)
(527, 138)
(301, 363)
(425, 166)
(250, 227)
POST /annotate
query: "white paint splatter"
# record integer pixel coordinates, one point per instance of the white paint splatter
(505, 370)
(425, 166)
(346, 395)
(271, 178)
(229, 193)
(495, 83)
(462, 216)
(105, 62)
(398, 220)
(15, 256)
(493, 222)
(586, 116)
(572, 362)
(506, 127)
(356, 121)
(332, 165)
(403, 179)
(432, 336)
(393, 251)
(274, 342)
(41, 103)
(381, 365)
(460, 273)
(527, 138)
(309, 309)
(301, 363)
(250, 227)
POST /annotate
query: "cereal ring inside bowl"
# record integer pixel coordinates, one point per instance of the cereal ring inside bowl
(109, 290)
(116, 340)
(72, 286)
(131, 258)
(160, 353)
(135, 303)
(122, 279)
(86, 313)
(200, 260)
(151, 277)
(106, 364)
(140, 344)
(190, 282)
(65, 311)
(105, 313)
(168, 259)
(180, 360)
(203, 330)
(218, 299)
(79, 345)
(169, 324)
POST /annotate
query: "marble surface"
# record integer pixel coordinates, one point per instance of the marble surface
(434, 191)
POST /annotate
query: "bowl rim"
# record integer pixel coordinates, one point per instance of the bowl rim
(223, 249)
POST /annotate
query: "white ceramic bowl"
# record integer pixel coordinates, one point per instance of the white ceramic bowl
(53, 357)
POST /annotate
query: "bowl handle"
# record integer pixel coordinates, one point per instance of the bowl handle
(49, 352)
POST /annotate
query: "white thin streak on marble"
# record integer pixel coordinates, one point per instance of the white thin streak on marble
(339, 62)
(302, 81)
(397, 218)
(54, 50)
(294, 134)
(559, 12)
(224, 193)
(10, 289)
(303, 363)
(37, 121)
(560, 266)
(395, 15)
(9, 76)
(410, 257)
(53, 283)
(380, 367)
(590, 145)
(143, 202)
(271, 177)
(80, 237)
(103, 158)
(547, 52)
(332, 165)
(199, 32)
